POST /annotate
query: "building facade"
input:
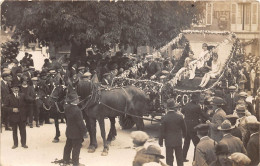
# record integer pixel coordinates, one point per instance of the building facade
(238, 16)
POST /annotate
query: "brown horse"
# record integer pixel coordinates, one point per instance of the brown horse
(112, 103)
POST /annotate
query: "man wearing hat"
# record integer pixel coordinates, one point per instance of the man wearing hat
(221, 151)
(257, 104)
(231, 98)
(204, 153)
(240, 159)
(217, 119)
(234, 144)
(29, 74)
(81, 71)
(5, 91)
(192, 113)
(243, 98)
(75, 129)
(172, 130)
(152, 68)
(139, 139)
(235, 131)
(154, 154)
(36, 104)
(14, 104)
(253, 143)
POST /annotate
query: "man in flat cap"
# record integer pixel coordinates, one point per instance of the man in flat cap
(234, 143)
(217, 119)
(5, 91)
(231, 98)
(172, 130)
(205, 153)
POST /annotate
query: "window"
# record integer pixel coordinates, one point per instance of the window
(233, 14)
(247, 13)
(254, 14)
(209, 13)
(239, 14)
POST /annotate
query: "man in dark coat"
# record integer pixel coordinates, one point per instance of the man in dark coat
(217, 119)
(234, 144)
(5, 91)
(204, 154)
(75, 130)
(253, 143)
(14, 104)
(172, 130)
(193, 113)
(231, 100)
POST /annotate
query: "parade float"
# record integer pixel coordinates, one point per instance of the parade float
(177, 84)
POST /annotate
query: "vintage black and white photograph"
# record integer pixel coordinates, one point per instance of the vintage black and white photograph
(130, 83)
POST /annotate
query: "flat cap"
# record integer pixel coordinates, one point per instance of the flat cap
(239, 158)
(87, 74)
(217, 101)
(139, 136)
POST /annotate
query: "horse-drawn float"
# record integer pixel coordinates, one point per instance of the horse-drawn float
(179, 82)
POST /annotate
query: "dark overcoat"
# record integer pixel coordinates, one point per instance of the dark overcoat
(253, 149)
(172, 129)
(76, 128)
(234, 144)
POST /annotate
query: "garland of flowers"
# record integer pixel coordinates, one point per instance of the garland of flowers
(172, 42)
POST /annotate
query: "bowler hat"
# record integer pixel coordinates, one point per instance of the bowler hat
(171, 103)
(239, 158)
(15, 83)
(139, 136)
(226, 125)
(72, 96)
(232, 88)
(217, 101)
(243, 94)
(87, 74)
(202, 127)
(154, 150)
(221, 149)
(232, 118)
(240, 108)
(5, 74)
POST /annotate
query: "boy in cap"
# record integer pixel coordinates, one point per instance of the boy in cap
(234, 144)
(154, 155)
(172, 130)
(75, 129)
(204, 154)
(14, 104)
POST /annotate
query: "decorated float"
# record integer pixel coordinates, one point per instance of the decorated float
(178, 85)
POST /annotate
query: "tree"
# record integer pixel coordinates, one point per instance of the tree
(104, 24)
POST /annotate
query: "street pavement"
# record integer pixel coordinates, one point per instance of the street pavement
(42, 152)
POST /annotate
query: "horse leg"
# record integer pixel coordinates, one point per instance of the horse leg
(101, 122)
(112, 131)
(56, 138)
(92, 133)
(139, 123)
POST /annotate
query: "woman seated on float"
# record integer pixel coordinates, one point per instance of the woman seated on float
(200, 62)
(215, 70)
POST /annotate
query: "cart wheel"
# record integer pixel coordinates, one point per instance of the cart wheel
(126, 122)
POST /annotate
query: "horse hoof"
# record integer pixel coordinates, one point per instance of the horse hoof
(91, 150)
(104, 153)
(55, 140)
